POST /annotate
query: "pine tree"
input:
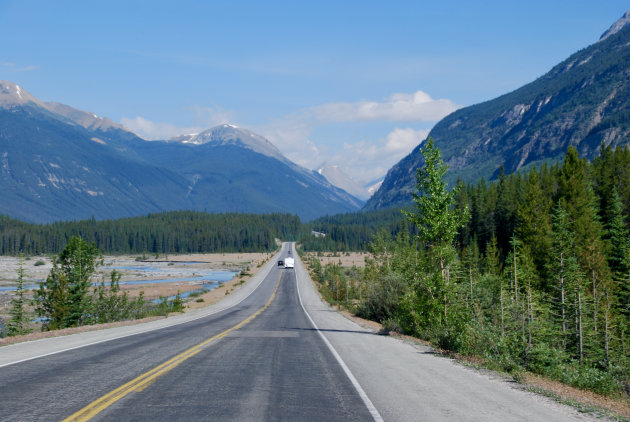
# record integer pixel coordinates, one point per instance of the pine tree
(63, 299)
(619, 256)
(18, 323)
(534, 223)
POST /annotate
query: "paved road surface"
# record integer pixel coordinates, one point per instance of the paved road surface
(257, 356)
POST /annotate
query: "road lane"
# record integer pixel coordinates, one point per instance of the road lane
(275, 367)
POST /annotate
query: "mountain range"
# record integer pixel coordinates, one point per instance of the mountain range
(60, 163)
(583, 101)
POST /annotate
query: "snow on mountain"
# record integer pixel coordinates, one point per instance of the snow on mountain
(338, 178)
(13, 95)
(231, 135)
(373, 186)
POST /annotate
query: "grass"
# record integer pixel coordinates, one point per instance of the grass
(581, 407)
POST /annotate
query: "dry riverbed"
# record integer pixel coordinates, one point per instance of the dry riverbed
(346, 259)
(187, 270)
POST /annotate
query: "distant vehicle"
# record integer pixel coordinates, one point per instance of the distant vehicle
(280, 263)
(289, 263)
(289, 251)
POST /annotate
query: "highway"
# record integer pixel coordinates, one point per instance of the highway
(270, 351)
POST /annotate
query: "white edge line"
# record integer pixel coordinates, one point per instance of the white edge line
(368, 403)
(141, 332)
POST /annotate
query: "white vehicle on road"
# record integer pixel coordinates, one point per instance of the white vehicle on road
(289, 262)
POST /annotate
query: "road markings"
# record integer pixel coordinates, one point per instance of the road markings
(143, 381)
(366, 400)
(184, 321)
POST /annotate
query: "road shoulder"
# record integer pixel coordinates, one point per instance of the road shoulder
(409, 381)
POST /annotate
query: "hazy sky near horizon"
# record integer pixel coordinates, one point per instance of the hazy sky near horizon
(356, 83)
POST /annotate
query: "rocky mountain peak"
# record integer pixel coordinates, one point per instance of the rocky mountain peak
(83, 118)
(617, 26)
(12, 95)
(231, 135)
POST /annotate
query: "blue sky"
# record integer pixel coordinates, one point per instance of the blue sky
(358, 83)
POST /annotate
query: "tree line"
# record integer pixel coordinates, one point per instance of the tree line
(531, 271)
(164, 233)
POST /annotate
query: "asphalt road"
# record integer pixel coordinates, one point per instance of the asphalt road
(270, 351)
(273, 367)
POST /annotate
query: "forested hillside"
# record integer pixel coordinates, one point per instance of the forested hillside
(169, 232)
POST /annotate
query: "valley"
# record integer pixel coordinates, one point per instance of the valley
(328, 211)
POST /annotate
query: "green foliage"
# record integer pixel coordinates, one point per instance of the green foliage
(18, 324)
(108, 304)
(63, 298)
(166, 306)
(530, 285)
(68, 299)
(434, 216)
(161, 233)
(350, 232)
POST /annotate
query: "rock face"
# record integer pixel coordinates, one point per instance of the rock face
(583, 101)
(60, 163)
(617, 26)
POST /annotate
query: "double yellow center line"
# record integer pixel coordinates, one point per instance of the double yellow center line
(146, 379)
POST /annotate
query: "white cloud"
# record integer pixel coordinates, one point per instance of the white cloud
(416, 107)
(367, 160)
(208, 117)
(203, 118)
(153, 131)
(12, 67)
(364, 160)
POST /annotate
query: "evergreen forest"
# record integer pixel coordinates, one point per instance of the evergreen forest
(161, 233)
(531, 271)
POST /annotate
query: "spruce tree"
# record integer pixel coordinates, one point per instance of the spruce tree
(534, 224)
(619, 256)
(18, 324)
(63, 299)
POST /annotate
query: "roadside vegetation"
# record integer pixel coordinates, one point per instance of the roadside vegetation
(69, 297)
(531, 272)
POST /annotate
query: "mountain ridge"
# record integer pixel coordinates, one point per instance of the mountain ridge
(582, 101)
(60, 163)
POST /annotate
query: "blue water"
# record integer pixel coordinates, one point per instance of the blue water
(134, 267)
(203, 288)
(220, 276)
(213, 277)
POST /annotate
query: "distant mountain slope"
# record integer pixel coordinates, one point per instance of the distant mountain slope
(51, 171)
(338, 178)
(60, 163)
(583, 101)
(228, 173)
